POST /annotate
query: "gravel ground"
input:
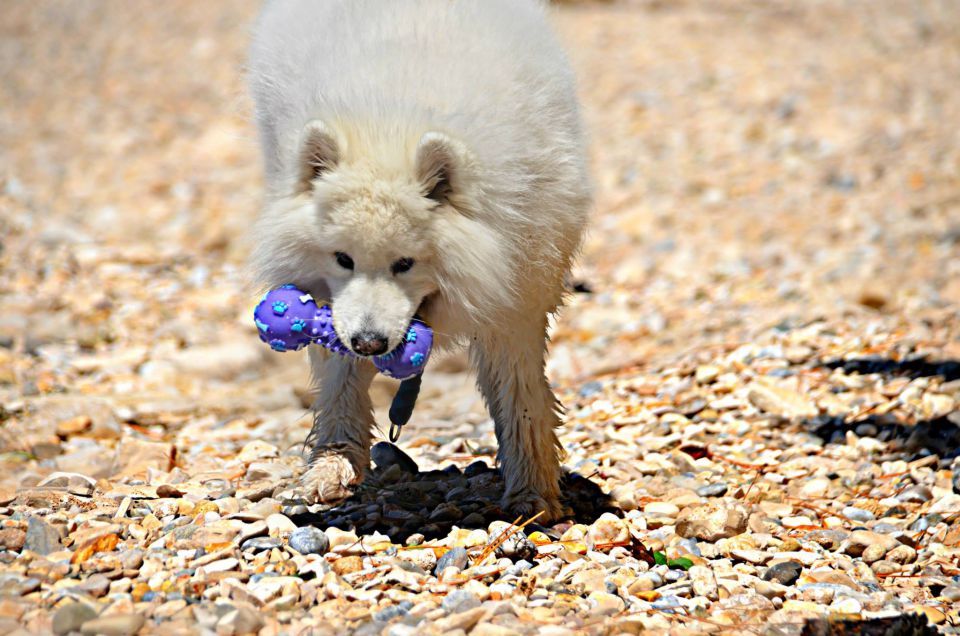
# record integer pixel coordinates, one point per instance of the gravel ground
(761, 367)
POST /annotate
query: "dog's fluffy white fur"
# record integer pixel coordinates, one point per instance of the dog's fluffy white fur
(442, 132)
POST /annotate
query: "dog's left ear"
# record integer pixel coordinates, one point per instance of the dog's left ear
(320, 150)
(441, 163)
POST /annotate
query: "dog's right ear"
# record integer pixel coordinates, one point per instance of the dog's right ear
(319, 152)
(440, 164)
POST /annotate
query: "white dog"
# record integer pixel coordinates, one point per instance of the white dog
(423, 156)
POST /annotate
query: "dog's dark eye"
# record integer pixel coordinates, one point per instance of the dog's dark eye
(402, 265)
(344, 260)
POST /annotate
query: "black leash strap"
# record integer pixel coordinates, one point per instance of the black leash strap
(402, 406)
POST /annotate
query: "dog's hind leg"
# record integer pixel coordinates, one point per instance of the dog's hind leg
(510, 373)
(343, 419)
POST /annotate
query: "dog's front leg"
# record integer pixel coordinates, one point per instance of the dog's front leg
(510, 373)
(343, 419)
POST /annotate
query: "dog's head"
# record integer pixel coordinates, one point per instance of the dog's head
(370, 226)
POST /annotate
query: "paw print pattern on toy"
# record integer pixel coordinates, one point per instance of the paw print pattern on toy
(288, 319)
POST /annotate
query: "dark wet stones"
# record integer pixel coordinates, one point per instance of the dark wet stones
(385, 454)
(446, 512)
(784, 573)
(308, 540)
(478, 467)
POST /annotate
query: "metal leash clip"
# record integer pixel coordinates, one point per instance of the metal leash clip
(402, 406)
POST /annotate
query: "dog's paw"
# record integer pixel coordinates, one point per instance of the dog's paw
(329, 479)
(527, 503)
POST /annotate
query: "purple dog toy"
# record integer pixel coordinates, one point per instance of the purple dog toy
(289, 319)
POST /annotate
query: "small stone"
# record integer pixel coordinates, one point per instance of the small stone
(41, 537)
(885, 567)
(605, 604)
(131, 559)
(280, 525)
(816, 488)
(455, 557)
(915, 494)
(516, 546)
(415, 539)
(257, 449)
(828, 539)
(387, 614)
(259, 544)
(707, 373)
(309, 540)
(873, 553)
(846, 605)
(492, 629)
(784, 573)
(902, 554)
(951, 594)
(385, 454)
(770, 589)
(589, 580)
(933, 615)
(340, 538)
(239, 622)
(757, 557)
(95, 585)
(606, 531)
(268, 471)
(74, 483)
(424, 559)
(661, 508)
(780, 401)
(860, 540)
(713, 521)
(222, 565)
(347, 565)
(858, 514)
(712, 490)
(945, 505)
(70, 617)
(797, 522)
(254, 529)
(703, 581)
(459, 623)
(74, 425)
(12, 539)
(115, 625)
(645, 582)
(460, 601)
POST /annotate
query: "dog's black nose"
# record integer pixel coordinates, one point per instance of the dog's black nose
(368, 343)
